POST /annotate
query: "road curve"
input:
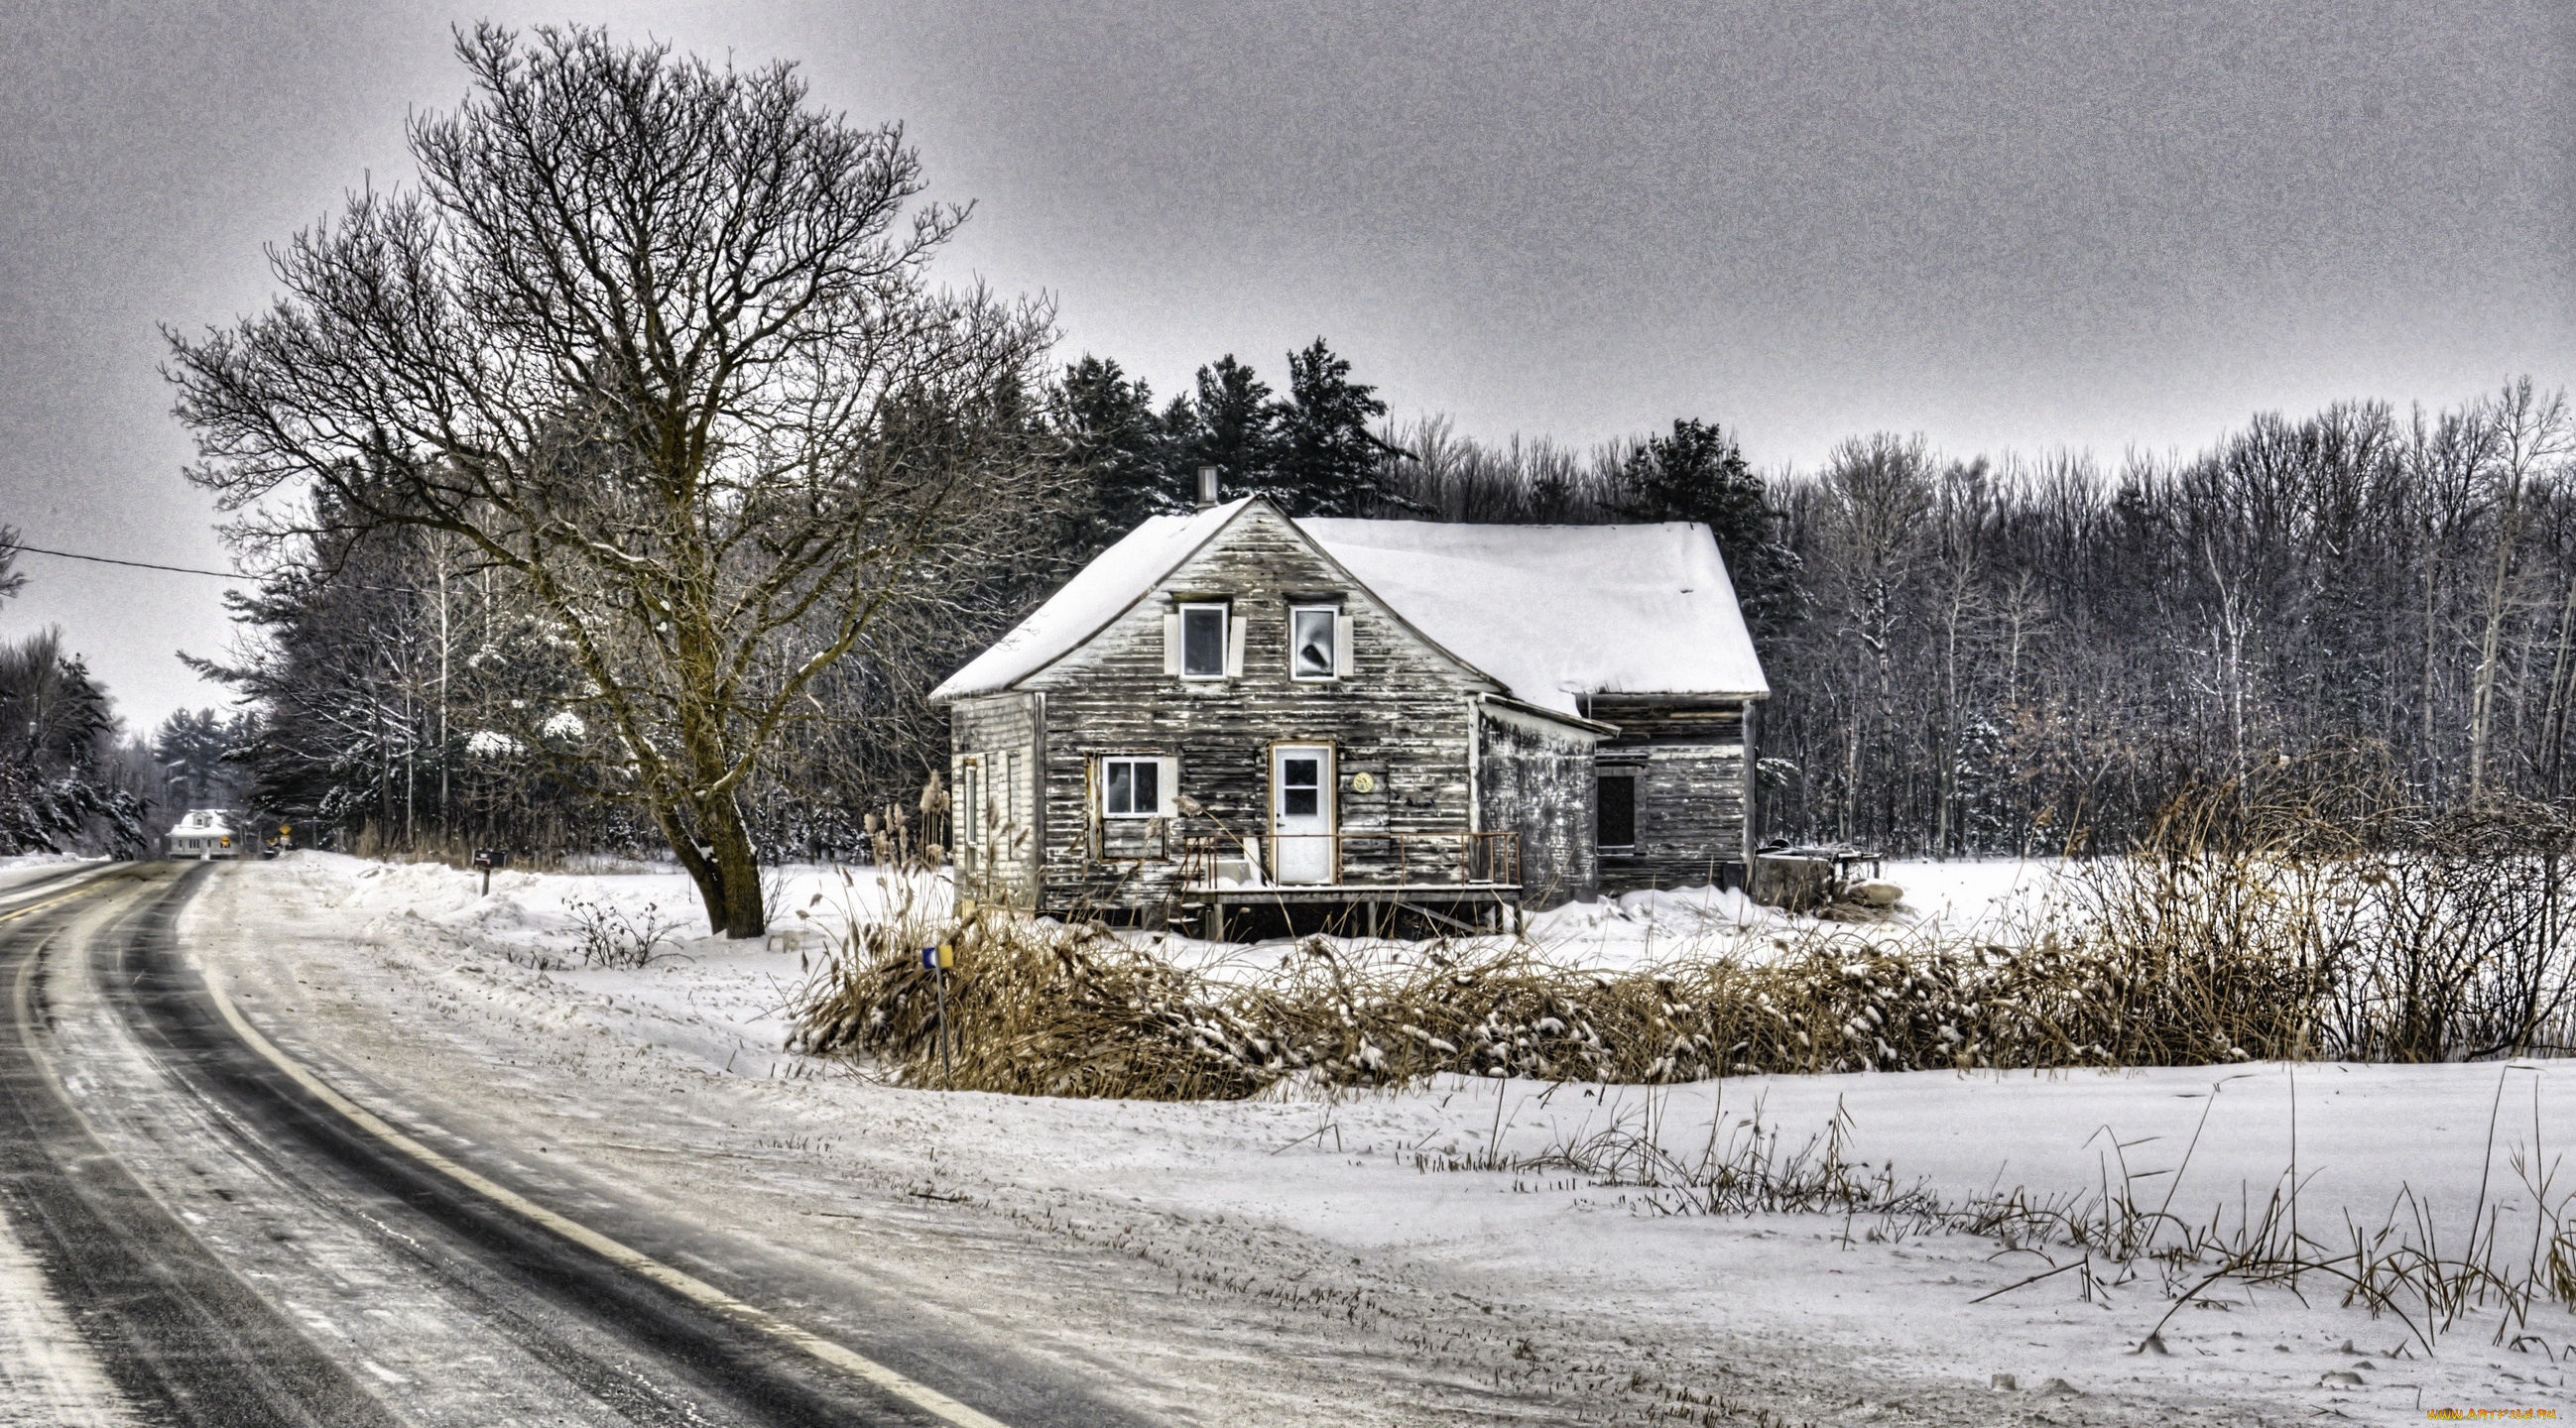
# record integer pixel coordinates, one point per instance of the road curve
(239, 1244)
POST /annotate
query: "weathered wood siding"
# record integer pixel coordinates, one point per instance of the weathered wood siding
(1534, 777)
(998, 852)
(1689, 758)
(1401, 715)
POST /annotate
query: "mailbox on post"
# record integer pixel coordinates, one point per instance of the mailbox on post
(938, 960)
(487, 859)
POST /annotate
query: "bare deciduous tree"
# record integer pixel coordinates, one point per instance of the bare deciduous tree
(2529, 431)
(656, 340)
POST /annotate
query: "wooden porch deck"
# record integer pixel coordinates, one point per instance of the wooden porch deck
(1434, 878)
(1363, 907)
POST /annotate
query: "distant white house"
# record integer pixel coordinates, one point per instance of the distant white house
(206, 833)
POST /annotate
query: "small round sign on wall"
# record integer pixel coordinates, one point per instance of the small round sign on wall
(1363, 783)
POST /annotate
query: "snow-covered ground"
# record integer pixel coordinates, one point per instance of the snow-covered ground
(28, 867)
(1617, 932)
(1957, 898)
(46, 1375)
(1312, 1256)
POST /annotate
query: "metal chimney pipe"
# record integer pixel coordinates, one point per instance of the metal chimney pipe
(1207, 487)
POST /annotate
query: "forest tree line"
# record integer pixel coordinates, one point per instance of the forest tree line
(2033, 653)
(71, 781)
(2012, 653)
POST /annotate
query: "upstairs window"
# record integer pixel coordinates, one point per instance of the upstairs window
(1314, 642)
(1203, 641)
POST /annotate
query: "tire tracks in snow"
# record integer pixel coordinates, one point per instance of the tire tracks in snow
(231, 1250)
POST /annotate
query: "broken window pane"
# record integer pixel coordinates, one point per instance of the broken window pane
(1311, 641)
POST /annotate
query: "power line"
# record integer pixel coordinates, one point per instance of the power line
(234, 576)
(137, 564)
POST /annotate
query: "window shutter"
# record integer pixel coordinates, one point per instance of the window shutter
(1233, 646)
(1171, 642)
(1341, 644)
(1091, 807)
(1168, 786)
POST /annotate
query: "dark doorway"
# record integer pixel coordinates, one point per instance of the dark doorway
(1617, 802)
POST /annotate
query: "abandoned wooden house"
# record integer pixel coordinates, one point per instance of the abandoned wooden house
(1234, 717)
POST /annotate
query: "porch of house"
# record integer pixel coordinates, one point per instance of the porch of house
(1352, 884)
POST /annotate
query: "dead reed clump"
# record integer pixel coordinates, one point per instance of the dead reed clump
(2290, 921)
(1033, 1011)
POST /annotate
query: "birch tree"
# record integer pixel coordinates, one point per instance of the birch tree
(2530, 433)
(656, 340)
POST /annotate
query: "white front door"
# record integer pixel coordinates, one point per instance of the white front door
(1301, 813)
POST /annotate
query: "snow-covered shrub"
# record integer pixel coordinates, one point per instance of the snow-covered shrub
(492, 744)
(610, 936)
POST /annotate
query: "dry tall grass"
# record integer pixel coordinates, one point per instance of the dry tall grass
(2258, 920)
(1049, 1010)
(2398, 934)
(2431, 1273)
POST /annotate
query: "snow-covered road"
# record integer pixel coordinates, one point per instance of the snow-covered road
(196, 1241)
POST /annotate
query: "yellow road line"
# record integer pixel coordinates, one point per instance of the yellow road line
(920, 1395)
(88, 885)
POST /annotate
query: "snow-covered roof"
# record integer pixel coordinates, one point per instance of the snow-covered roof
(1550, 612)
(203, 822)
(1115, 579)
(1558, 611)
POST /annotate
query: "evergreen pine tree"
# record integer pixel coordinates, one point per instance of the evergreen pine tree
(1328, 461)
(1699, 474)
(1113, 452)
(56, 729)
(1233, 425)
(192, 749)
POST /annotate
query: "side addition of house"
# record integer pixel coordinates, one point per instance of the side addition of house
(1234, 717)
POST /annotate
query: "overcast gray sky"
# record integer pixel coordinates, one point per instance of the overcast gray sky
(2001, 225)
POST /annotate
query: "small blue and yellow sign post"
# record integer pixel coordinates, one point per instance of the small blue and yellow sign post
(939, 959)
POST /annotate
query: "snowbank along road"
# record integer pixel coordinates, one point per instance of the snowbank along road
(195, 1228)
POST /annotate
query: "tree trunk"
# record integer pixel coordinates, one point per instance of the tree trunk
(2432, 745)
(719, 857)
(2562, 684)
(2490, 646)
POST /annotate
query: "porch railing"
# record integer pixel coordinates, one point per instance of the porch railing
(1357, 860)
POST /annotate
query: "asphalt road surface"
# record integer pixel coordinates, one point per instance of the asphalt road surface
(234, 1242)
